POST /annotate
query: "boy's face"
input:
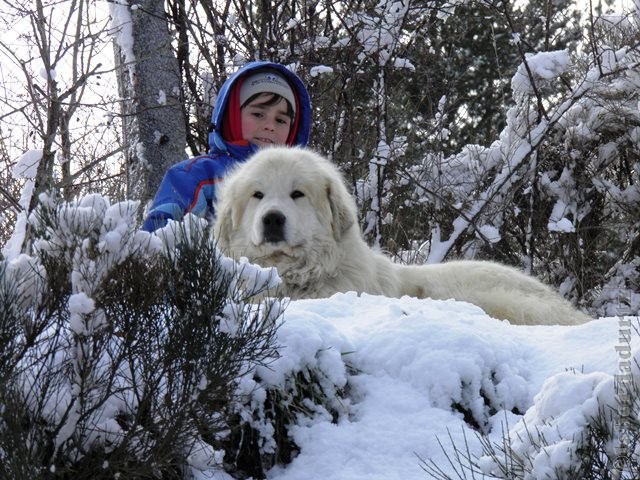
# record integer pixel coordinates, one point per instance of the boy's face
(265, 125)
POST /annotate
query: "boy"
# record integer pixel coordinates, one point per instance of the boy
(262, 104)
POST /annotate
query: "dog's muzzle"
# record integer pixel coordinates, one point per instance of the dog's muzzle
(273, 227)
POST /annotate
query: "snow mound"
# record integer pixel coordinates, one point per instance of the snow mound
(425, 375)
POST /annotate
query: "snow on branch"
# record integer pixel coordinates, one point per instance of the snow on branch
(513, 155)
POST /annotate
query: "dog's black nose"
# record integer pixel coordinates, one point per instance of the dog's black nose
(273, 227)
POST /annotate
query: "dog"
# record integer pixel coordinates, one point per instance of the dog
(290, 208)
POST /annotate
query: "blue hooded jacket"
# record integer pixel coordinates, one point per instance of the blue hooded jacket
(190, 186)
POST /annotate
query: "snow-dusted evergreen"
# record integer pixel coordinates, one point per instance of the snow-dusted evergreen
(122, 350)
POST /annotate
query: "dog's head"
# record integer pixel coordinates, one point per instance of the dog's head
(282, 200)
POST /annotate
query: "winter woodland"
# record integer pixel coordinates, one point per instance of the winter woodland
(467, 129)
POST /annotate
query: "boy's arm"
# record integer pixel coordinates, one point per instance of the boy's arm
(186, 187)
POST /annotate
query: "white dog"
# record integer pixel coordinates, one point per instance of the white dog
(289, 208)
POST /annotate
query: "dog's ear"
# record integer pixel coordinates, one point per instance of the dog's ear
(343, 208)
(225, 220)
(222, 226)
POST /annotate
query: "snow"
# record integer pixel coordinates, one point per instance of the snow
(490, 232)
(122, 28)
(570, 400)
(418, 361)
(27, 276)
(543, 66)
(400, 63)
(26, 167)
(563, 225)
(320, 70)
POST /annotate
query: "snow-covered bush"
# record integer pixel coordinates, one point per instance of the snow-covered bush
(307, 384)
(572, 436)
(122, 350)
(581, 425)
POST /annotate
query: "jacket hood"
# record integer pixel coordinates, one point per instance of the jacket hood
(301, 138)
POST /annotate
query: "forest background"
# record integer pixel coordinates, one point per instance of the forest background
(488, 129)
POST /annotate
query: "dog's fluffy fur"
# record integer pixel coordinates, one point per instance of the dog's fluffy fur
(290, 208)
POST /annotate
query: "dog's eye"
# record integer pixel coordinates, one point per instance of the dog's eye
(296, 194)
(258, 195)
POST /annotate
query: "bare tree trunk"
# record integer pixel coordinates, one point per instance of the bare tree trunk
(149, 83)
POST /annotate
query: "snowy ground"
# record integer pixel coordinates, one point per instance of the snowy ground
(419, 357)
